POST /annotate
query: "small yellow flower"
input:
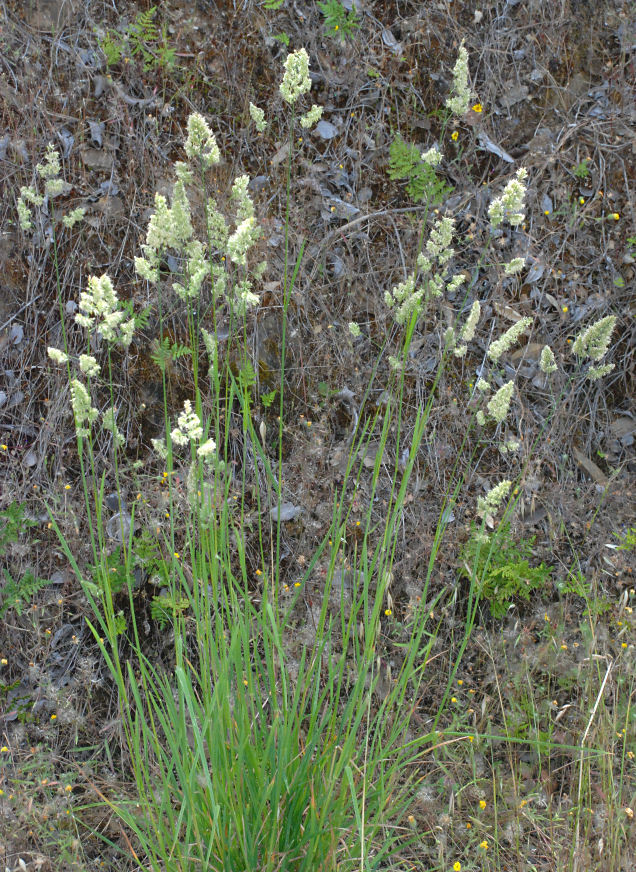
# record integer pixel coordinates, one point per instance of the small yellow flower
(581, 200)
(457, 867)
(564, 308)
(388, 612)
(67, 487)
(546, 211)
(623, 644)
(469, 826)
(53, 717)
(297, 584)
(455, 135)
(69, 788)
(460, 681)
(564, 647)
(4, 661)
(453, 699)
(484, 845)
(629, 812)
(4, 750)
(478, 107)
(482, 803)
(177, 555)
(615, 216)
(259, 572)
(4, 447)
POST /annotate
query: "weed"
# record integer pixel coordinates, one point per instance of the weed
(582, 170)
(338, 22)
(422, 182)
(16, 594)
(142, 38)
(501, 568)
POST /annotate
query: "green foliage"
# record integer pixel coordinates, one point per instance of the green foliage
(165, 608)
(166, 352)
(16, 594)
(501, 567)
(141, 39)
(246, 377)
(338, 22)
(272, 4)
(114, 569)
(12, 524)
(422, 182)
(628, 541)
(282, 37)
(268, 399)
(581, 170)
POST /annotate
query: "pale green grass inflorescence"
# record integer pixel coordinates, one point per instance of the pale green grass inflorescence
(201, 143)
(460, 97)
(311, 117)
(594, 341)
(296, 81)
(83, 411)
(189, 429)
(489, 504)
(547, 362)
(258, 117)
(508, 339)
(57, 355)
(432, 156)
(514, 266)
(509, 206)
(500, 402)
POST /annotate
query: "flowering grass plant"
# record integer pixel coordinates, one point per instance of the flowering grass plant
(244, 755)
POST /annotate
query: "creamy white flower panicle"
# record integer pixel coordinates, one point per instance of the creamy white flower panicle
(513, 267)
(99, 308)
(207, 450)
(312, 117)
(500, 402)
(243, 297)
(459, 100)
(547, 362)
(508, 339)
(197, 270)
(482, 386)
(258, 117)
(509, 207)
(432, 156)
(354, 329)
(83, 411)
(57, 355)
(467, 333)
(239, 243)
(296, 81)
(189, 428)
(596, 372)
(72, 218)
(594, 341)
(88, 365)
(201, 143)
(405, 299)
(239, 194)
(489, 504)
(109, 422)
(160, 447)
(50, 169)
(218, 230)
(441, 236)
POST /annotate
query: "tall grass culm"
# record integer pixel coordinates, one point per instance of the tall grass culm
(244, 756)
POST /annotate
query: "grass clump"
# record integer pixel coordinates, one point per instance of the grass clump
(247, 751)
